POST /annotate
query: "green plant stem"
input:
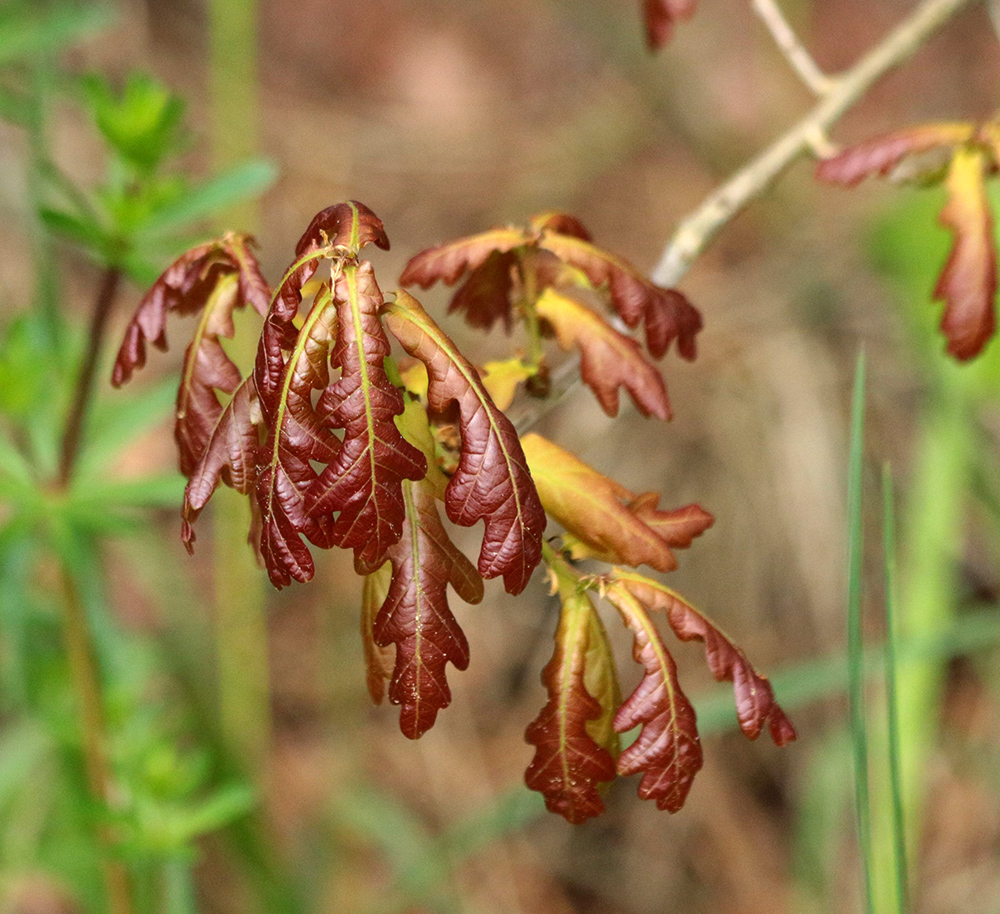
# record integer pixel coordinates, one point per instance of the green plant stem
(241, 625)
(83, 391)
(87, 688)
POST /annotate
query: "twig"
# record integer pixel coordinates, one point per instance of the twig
(85, 382)
(697, 230)
(789, 44)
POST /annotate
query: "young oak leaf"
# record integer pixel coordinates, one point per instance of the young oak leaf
(608, 521)
(415, 614)
(492, 481)
(298, 434)
(883, 154)
(378, 659)
(968, 283)
(661, 17)
(755, 703)
(608, 359)
(569, 763)
(667, 751)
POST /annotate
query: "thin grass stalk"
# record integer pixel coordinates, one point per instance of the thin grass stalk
(892, 705)
(855, 647)
(241, 627)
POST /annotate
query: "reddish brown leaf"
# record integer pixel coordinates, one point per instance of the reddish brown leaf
(883, 154)
(755, 704)
(364, 481)
(492, 482)
(568, 763)
(608, 521)
(608, 359)
(968, 283)
(415, 615)
(485, 297)
(186, 287)
(298, 434)
(229, 456)
(662, 16)
(667, 751)
(447, 262)
(563, 223)
(667, 314)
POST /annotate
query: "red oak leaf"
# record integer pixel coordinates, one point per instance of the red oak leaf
(608, 359)
(415, 614)
(608, 521)
(968, 284)
(569, 763)
(563, 223)
(364, 481)
(661, 16)
(485, 296)
(229, 456)
(883, 154)
(492, 482)
(667, 751)
(667, 314)
(378, 659)
(448, 262)
(298, 434)
(755, 704)
(186, 287)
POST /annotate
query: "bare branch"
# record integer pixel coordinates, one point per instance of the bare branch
(697, 230)
(789, 44)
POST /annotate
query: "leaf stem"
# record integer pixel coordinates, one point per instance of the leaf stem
(697, 230)
(87, 686)
(791, 47)
(72, 434)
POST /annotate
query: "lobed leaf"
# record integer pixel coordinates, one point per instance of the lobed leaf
(667, 751)
(610, 522)
(448, 262)
(883, 154)
(378, 659)
(364, 480)
(485, 297)
(415, 614)
(666, 313)
(298, 434)
(755, 704)
(608, 359)
(492, 482)
(968, 284)
(661, 17)
(569, 763)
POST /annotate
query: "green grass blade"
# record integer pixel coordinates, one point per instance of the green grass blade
(892, 707)
(855, 648)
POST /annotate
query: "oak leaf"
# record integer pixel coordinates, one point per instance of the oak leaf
(661, 17)
(608, 359)
(379, 661)
(667, 751)
(492, 482)
(415, 615)
(608, 521)
(755, 703)
(569, 763)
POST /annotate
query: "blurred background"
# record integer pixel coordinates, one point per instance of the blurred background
(253, 773)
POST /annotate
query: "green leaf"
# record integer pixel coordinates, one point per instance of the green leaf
(88, 235)
(27, 32)
(242, 182)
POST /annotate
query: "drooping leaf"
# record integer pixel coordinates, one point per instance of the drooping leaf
(667, 751)
(492, 482)
(882, 155)
(502, 379)
(230, 455)
(448, 262)
(186, 287)
(608, 521)
(569, 763)
(297, 434)
(662, 16)
(968, 284)
(378, 659)
(600, 678)
(563, 223)
(364, 481)
(485, 297)
(666, 313)
(608, 359)
(415, 614)
(755, 704)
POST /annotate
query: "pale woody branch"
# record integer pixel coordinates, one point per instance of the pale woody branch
(789, 44)
(697, 230)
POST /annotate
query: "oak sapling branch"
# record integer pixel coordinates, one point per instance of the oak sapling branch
(334, 445)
